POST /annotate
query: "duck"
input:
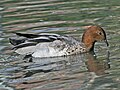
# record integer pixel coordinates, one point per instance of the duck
(54, 45)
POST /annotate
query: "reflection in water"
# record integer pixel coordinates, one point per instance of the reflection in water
(55, 73)
(97, 66)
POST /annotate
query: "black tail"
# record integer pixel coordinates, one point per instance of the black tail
(15, 41)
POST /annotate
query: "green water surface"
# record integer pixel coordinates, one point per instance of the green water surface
(77, 72)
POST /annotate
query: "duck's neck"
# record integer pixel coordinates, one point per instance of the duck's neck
(88, 42)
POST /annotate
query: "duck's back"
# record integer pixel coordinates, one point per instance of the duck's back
(46, 45)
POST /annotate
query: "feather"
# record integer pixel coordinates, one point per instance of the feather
(27, 35)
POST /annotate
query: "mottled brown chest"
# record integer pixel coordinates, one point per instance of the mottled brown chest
(75, 49)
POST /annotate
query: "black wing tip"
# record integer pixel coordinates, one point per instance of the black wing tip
(27, 35)
(20, 34)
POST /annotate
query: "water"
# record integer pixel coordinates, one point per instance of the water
(78, 72)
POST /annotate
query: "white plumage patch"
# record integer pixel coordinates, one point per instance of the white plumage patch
(26, 50)
(48, 49)
(42, 37)
(51, 34)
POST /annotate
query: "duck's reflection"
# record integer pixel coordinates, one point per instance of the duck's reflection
(97, 65)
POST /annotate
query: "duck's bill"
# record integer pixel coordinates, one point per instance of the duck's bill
(106, 43)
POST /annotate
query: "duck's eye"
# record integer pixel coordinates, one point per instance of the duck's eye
(100, 33)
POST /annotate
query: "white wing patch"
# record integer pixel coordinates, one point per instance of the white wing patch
(49, 49)
(26, 50)
(42, 37)
(51, 34)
